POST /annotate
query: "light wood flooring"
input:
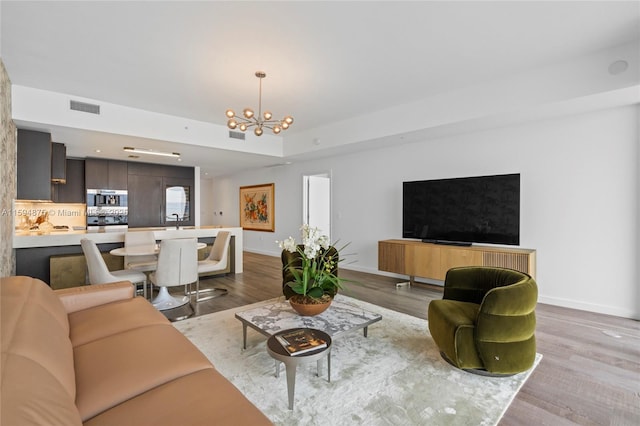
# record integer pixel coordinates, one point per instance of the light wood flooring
(589, 374)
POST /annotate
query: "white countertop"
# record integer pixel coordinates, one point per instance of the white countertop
(26, 239)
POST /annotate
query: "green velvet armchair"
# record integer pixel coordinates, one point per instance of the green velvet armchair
(294, 260)
(486, 320)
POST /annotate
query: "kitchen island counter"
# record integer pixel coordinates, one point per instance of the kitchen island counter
(30, 245)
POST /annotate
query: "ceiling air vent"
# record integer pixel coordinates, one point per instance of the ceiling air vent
(85, 107)
(236, 135)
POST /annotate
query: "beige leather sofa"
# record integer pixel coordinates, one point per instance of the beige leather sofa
(97, 355)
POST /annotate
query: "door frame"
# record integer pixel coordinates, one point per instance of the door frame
(305, 197)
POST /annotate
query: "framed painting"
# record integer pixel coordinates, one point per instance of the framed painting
(257, 212)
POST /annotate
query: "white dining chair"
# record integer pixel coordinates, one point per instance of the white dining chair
(177, 266)
(216, 261)
(144, 263)
(99, 273)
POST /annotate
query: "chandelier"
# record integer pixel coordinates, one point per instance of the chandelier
(250, 119)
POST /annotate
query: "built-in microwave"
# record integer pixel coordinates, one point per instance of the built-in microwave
(106, 198)
(106, 209)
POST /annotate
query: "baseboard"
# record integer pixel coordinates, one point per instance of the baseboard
(589, 307)
(264, 252)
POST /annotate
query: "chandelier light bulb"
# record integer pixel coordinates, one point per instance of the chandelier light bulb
(261, 120)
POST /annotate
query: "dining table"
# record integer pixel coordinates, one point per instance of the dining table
(145, 250)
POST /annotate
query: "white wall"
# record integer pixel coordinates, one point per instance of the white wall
(580, 184)
(206, 202)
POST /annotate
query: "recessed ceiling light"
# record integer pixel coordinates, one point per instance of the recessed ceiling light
(618, 67)
(151, 152)
(98, 150)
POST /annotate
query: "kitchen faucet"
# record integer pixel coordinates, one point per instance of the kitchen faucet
(177, 219)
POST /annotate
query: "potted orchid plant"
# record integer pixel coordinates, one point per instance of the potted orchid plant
(312, 268)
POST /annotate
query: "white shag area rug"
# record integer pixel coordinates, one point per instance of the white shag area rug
(394, 377)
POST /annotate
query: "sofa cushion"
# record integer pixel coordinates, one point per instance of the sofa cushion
(113, 318)
(89, 296)
(31, 395)
(38, 380)
(34, 326)
(122, 366)
(203, 398)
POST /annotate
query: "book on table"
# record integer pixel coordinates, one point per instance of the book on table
(300, 341)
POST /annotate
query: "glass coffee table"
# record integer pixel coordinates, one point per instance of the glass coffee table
(341, 317)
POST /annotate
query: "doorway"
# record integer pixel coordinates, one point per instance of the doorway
(316, 208)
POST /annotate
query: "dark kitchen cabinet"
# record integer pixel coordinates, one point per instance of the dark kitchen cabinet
(105, 174)
(150, 169)
(74, 190)
(148, 185)
(58, 163)
(118, 175)
(96, 173)
(145, 201)
(34, 165)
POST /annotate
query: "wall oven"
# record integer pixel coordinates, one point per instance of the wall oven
(107, 209)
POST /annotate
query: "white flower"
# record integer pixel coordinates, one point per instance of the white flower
(310, 251)
(289, 245)
(324, 241)
(312, 241)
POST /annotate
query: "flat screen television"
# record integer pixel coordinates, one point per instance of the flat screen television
(462, 211)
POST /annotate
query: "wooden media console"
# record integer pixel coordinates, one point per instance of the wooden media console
(427, 260)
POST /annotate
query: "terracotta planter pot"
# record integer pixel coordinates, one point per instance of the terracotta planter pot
(309, 309)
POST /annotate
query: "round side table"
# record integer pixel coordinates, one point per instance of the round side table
(280, 354)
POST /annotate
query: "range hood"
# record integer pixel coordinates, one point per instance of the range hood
(58, 163)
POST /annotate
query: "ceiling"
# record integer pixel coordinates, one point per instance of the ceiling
(325, 61)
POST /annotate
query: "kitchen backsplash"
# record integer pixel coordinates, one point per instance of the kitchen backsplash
(29, 214)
